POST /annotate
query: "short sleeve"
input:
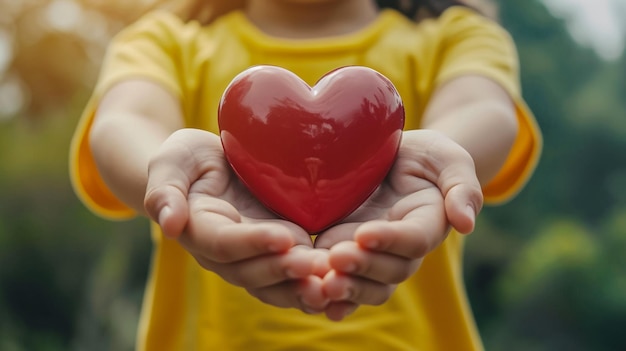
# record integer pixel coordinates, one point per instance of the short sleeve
(147, 49)
(473, 44)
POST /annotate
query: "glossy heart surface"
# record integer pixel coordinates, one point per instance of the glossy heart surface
(311, 154)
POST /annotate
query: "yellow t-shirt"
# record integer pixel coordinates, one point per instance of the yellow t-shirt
(188, 308)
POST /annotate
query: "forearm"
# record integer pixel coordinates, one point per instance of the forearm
(125, 134)
(482, 119)
(122, 146)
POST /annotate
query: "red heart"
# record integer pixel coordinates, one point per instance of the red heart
(311, 155)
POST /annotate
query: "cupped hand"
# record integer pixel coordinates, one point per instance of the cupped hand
(195, 197)
(431, 188)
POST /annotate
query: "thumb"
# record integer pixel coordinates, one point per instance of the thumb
(167, 205)
(455, 175)
(170, 174)
(463, 203)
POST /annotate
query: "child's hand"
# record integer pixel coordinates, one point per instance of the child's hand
(195, 197)
(432, 186)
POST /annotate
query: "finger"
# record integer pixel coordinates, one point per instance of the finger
(452, 169)
(290, 294)
(337, 311)
(311, 296)
(266, 270)
(459, 185)
(462, 205)
(338, 233)
(283, 295)
(170, 174)
(167, 205)
(412, 237)
(348, 288)
(166, 194)
(299, 235)
(321, 264)
(218, 240)
(349, 258)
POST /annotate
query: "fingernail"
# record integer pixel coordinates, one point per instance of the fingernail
(307, 306)
(165, 212)
(470, 212)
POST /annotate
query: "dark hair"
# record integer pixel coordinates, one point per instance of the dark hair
(410, 8)
(205, 11)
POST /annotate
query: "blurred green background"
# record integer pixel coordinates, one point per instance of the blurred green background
(547, 271)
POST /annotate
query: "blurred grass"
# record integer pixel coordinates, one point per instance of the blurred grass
(68, 280)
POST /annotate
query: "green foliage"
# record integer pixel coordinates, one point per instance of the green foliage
(565, 290)
(559, 248)
(67, 278)
(548, 270)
